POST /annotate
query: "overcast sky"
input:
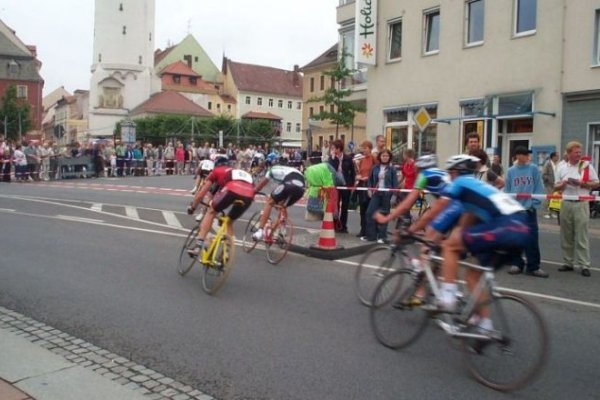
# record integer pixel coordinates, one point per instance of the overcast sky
(276, 33)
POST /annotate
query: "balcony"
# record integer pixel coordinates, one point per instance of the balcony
(346, 11)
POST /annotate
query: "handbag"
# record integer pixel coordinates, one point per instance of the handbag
(314, 204)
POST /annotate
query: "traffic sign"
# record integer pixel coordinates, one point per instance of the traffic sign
(422, 119)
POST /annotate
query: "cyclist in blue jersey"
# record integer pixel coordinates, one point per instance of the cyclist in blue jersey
(431, 179)
(492, 220)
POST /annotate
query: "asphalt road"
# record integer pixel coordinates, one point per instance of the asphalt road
(97, 259)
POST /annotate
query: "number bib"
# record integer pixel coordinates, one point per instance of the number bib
(240, 175)
(505, 204)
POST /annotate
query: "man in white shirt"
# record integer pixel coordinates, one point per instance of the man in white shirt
(575, 177)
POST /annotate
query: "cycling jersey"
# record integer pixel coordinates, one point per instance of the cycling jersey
(223, 174)
(481, 199)
(281, 174)
(432, 179)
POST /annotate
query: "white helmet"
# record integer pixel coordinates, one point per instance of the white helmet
(427, 161)
(219, 159)
(463, 163)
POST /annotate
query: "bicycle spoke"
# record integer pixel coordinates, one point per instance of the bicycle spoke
(281, 240)
(397, 320)
(517, 347)
(186, 261)
(372, 269)
(248, 243)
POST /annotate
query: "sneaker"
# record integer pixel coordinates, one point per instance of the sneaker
(381, 241)
(196, 251)
(538, 273)
(366, 239)
(547, 216)
(585, 272)
(514, 270)
(258, 235)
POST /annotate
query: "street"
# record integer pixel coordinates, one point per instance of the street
(97, 259)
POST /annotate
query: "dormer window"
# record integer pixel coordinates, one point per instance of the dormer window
(176, 78)
(193, 80)
(13, 68)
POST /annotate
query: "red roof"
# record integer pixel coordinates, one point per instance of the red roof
(160, 54)
(179, 68)
(259, 79)
(170, 102)
(228, 99)
(259, 115)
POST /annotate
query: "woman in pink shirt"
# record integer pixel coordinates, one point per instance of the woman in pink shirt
(180, 158)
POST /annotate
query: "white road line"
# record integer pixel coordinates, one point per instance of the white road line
(7, 210)
(131, 212)
(79, 219)
(171, 219)
(96, 207)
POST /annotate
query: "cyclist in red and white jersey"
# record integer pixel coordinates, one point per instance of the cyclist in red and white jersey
(232, 187)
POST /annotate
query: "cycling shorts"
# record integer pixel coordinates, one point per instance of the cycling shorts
(238, 194)
(508, 233)
(445, 221)
(288, 192)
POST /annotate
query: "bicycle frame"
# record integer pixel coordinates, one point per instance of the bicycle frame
(281, 216)
(209, 255)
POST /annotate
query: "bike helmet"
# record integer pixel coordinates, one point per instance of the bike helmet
(427, 161)
(220, 159)
(462, 163)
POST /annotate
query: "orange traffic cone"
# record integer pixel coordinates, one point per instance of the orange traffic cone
(327, 235)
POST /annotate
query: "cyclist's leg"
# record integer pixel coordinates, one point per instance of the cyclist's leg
(266, 214)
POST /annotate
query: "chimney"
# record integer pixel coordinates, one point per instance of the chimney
(296, 75)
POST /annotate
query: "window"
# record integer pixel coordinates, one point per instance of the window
(322, 83)
(13, 68)
(248, 100)
(299, 105)
(311, 111)
(280, 103)
(140, 60)
(121, 7)
(312, 84)
(188, 60)
(347, 41)
(321, 109)
(332, 108)
(124, 30)
(193, 80)
(271, 103)
(21, 91)
(596, 54)
(150, 37)
(259, 101)
(210, 105)
(525, 16)
(289, 105)
(176, 78)
(395, 40)
(332, 82)
(288, 127)
(229, 107)
(219, 107)
(475, 18)
(298, 129)
(432, 32)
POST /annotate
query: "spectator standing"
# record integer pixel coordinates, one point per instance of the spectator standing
(383, 176)
(485, 173)
(20, 161)
(575, 177)
(473, 142)
(149, 157)
(5, 159)
(160, 159)
(524, 177)
(409, 172)
(120, 151)
(548, 177)
(180, 158)
(344, 166)
(364, 165)
(379, 145)
(496, 166)
(169, 156)
(325, 151)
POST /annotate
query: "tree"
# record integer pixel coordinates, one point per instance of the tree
(344, 111)
(15, 114)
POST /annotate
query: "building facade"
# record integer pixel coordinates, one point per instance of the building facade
(19, 67)
(259, 89)
(71, 118)
(504, 69)
(123, 66)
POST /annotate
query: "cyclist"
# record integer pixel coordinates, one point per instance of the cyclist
(232, 187)
(492, 220)
(288, 192)
(203, 170)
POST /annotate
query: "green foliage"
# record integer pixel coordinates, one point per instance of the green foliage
(257, 132)
(344, 111)
(16, 113)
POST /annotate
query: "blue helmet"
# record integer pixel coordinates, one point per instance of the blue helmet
(437, 179)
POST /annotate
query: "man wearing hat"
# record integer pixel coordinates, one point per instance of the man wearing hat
(524, 177)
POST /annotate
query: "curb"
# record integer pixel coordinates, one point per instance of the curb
(330, 254)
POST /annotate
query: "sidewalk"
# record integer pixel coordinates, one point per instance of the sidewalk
(38, 362)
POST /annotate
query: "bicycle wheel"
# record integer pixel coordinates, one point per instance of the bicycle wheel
(517, 347)
(214, 276)
(186, 261)
(281, 239)
(372, 269)
(248, 244)
(396, 320)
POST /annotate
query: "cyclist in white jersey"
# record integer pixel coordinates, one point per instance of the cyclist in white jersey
(288, 192)
(203, 170)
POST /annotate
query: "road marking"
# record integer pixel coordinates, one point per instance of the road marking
(131, 212)
(96, 207)
(7, 210)
(171, 219)
(78, 219)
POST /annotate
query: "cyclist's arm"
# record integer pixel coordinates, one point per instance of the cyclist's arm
(405, 205)
(201, 193)
(261, 184)
(429, 216)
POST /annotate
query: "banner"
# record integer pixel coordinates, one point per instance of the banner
(366, 32)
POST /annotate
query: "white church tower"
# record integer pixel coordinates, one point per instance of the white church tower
(123, 65)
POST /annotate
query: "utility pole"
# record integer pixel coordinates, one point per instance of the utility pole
(20, 134)
(192, 129)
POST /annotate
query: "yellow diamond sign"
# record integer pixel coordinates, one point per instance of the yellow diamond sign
(422, 119)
